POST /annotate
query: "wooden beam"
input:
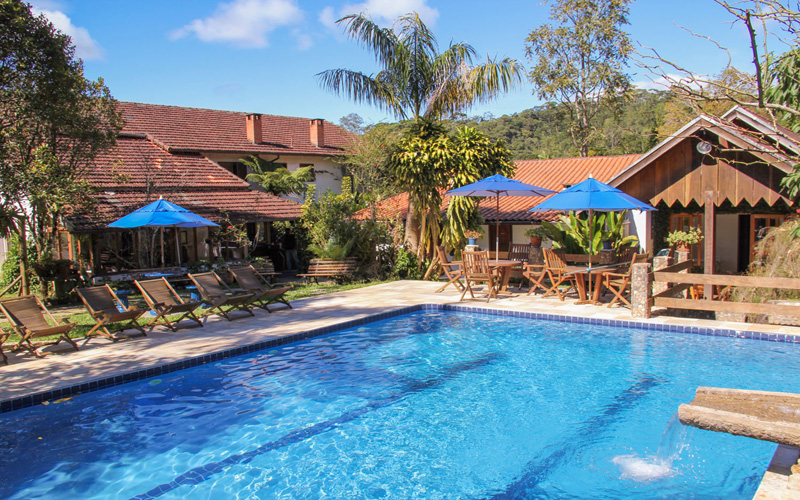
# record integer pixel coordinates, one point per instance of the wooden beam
(726, 280)
(735, 307)
(710, 224)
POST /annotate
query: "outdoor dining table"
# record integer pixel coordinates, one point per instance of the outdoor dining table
(596, 274)
(504, 267)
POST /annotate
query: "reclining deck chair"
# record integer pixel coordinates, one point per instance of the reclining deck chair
(101, 301)
(556, 271)
(453, 270)
(162, 298)
(478, 270)
(221, 298)
(28, 318)
(265, 294)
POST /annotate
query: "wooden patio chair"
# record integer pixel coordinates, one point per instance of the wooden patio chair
(165, 301)
(536, 274)
(453, 270)
(101, 301)
(4, 335)
(219, 296)
(265, 294)
(625, 254)
(478, 270)
(619, 283)
(28, 318)
(556, 264)
(521, 253)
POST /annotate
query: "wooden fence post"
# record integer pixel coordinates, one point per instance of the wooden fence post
(641, 290)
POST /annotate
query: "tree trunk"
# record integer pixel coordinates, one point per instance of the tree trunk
(411, 236)
(24, 286)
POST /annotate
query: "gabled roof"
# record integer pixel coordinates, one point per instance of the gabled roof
(555, 174)
(726, 129)
(136, 172)
(179, 129)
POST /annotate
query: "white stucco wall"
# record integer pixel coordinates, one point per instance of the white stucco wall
(641, 225)
(726, 243)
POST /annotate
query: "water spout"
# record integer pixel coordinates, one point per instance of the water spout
(658, 466)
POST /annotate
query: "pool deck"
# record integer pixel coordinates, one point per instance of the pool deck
(99, 359)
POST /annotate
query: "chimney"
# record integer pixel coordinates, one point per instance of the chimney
(253, 126)
(317, 132)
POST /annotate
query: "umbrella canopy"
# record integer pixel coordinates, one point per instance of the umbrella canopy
(591, 194)
(161, 213)
(497, 186)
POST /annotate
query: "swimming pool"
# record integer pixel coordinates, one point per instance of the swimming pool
(424, 405)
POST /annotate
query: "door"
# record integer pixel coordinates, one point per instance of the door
(505, 239)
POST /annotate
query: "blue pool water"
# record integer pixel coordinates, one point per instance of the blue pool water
(429, 405)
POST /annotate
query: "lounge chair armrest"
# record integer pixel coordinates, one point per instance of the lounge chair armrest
(66, 321)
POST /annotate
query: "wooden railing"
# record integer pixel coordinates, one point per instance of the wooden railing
(678, 282)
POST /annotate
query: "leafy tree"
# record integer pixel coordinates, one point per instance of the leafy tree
(580, 61)
(367, 158)
(53, 122)
(415, 81)
(353, 123)
(277, 179)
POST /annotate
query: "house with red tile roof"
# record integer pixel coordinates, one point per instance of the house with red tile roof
(719, 174)
(192, 157)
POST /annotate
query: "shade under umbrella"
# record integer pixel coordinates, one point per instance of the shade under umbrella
(162, 213)
(497, 186)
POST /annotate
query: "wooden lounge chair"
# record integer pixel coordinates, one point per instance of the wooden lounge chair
(265, 294)
(28, 318)
(165, 301)
(101, 301)
(453, 270)
(557, 272)
(619, 283)
(478, 270)
(3, 337)
(219, 296)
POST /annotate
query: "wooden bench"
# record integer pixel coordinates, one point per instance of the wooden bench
(265, 269)
(328, 268)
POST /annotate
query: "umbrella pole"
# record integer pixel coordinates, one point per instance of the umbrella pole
(497, 231)
(590, 295)
(178, 245)
(162, 247)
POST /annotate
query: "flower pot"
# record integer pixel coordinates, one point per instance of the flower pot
(607, 245)
(536, 241)
(682, 247)
(473, 241)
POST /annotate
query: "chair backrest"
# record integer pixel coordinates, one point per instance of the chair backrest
(159, 291)
(99, 299)
(442, 254)
(27, 312)
(476, 264)
(625, 254)
(247, 278)
(209, 284)
(554, 259)
(520, 252)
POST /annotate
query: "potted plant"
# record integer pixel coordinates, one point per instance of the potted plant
(473, 236)
(682, 239)
(536, 234)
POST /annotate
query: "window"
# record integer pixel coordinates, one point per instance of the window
(313, 172)
(684, 222)
(234, 167)
(759, 224)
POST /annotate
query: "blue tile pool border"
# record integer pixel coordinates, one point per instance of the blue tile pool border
(104, 383)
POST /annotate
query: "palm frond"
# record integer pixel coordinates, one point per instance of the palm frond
(381, 41)
(358, 87)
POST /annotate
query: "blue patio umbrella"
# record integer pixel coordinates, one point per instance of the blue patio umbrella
(497, 186)
(162, 213)
(591, 195)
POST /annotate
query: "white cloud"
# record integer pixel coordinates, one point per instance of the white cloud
(666, 81)
(85, 46)
(304, 41)
(383, 12)
(245, 23)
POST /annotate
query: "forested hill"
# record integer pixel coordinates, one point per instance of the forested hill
(543, 131)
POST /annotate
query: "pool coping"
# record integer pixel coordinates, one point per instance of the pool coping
(32, 399)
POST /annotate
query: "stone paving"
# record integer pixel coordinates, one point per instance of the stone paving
(99, 358)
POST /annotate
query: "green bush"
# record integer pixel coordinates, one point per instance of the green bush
(406, 265)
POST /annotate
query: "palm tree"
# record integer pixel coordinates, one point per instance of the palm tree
(415, 80)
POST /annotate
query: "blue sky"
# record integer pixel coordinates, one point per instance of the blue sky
(262, 55)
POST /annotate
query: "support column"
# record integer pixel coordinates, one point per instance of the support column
(641, 290)
(708, 239)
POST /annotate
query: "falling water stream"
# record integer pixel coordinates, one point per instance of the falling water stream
(653, 467)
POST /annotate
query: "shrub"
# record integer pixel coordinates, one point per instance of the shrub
(406, 265)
